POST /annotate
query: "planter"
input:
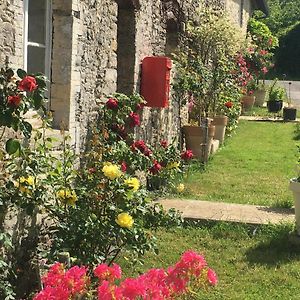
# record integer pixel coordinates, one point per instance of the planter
(289, 114)
(260, 97)
(274, 106)
(247, 102)
(220, 123)
(295, 188)
(195, 140)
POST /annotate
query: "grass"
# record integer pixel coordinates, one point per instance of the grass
(254, 167)
(251, 263)
(263, 112)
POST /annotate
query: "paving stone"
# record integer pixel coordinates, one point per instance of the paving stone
(219, 211)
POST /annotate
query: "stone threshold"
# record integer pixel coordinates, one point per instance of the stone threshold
(229, 212)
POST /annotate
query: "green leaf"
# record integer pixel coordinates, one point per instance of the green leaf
(12, 146)
(21, 73)
(38, 100)
(41, 83)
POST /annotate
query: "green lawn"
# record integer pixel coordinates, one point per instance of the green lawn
(253, 167)
(251, 263)
(263, 112)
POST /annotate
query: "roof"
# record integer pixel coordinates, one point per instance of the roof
(262, 6)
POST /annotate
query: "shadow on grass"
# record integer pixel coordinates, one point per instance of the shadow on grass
(275, 250)
(284, 209)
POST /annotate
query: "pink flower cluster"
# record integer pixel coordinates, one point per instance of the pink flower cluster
(243, 76)
(156, 284)
(62, 285)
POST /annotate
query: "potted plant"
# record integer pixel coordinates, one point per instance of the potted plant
(289, 112)
(259, 56)
(203, 63)
(276, 95)
(260, 93)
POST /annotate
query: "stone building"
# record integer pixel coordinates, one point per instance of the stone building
(91, 48)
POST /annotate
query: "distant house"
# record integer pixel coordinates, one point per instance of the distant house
(91, 48)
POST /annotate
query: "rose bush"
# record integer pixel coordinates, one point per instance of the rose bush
(189, 275)
(19, 93)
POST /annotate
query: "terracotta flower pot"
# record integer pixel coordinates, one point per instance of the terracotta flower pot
(247, 102)
(195, 140)
(220, 123)
(260, 97)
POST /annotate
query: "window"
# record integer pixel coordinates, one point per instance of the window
(37, 36)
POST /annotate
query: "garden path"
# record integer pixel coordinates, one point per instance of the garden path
(230, 212)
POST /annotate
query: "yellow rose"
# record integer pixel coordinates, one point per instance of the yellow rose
(180, 188)
(67, 196)
(111, 171)
(133, 183)
(124, 220)
(173, 165)
(24, 182)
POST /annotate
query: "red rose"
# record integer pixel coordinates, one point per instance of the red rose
(228, 104)
(14, 100)
(134, 119)
(28, 84)
(140, 145)
(112, 103)
(123, 166)
(187, 155)
(164, 143)
(147, 152)
(155, 168)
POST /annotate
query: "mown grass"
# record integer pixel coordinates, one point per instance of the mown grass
(253, 167)
(251, 262)
(263, 112)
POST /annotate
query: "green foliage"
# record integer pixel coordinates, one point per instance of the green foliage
(287, 56)
(206, 60)
(259, 55)
(261, 35)
(276, 92)
(283, 14)
(17, 97)
(6, 289)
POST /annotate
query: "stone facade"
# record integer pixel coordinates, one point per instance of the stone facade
(97, 47)
(240, 11)
(11, 33)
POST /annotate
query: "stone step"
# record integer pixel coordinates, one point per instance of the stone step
(229, 212)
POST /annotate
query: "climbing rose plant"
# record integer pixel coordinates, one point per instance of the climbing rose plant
(19, 92)
(189, 274)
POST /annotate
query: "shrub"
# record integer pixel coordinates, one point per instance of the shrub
(187, 276)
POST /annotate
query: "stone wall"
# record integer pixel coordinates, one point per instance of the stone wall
(240, 11)
(97, 49)
(11, 32)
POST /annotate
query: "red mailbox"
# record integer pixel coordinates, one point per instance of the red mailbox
(155, 81)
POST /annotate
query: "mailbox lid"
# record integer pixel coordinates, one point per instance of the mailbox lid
(155, 81)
